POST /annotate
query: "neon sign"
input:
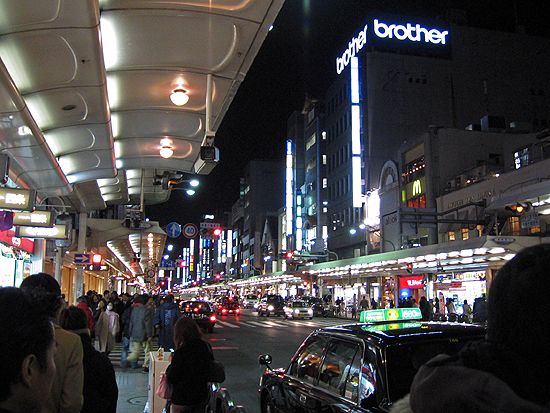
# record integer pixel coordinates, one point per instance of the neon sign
(413, 34)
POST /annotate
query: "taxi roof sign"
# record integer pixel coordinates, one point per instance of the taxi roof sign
(392, 314)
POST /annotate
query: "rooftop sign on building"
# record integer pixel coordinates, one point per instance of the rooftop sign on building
(397, 34)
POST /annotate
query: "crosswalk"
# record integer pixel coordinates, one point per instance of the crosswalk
(278, 323)
(232, 324)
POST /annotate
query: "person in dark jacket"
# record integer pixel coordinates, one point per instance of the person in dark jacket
(100, 388)
(165, 319)
(508, 371)
(188, 371)
(27, 348)
(480, 309)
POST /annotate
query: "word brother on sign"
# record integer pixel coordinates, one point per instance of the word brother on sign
(403, 32)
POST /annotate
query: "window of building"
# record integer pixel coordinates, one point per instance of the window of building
(418, 202)
(480, 228)
(521, 158)
(414, 170)
(311, 164)
(515, 227)
(311, 141)
(465, 233)
(325, 182)
(324, 159)
(451, 236)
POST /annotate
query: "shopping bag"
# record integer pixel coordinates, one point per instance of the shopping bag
(216, 372)
(164, 390)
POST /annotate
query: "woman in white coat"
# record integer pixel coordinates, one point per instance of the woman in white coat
(106, 328)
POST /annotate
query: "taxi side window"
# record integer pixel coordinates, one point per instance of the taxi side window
(305, 365)
(338, 368)
(369, 380)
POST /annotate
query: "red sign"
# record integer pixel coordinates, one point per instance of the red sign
(456, 284)
(25, 244)
(416, 281)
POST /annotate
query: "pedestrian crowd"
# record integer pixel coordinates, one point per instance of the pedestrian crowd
(54, 356)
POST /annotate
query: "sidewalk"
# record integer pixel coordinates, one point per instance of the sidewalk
(132, 390)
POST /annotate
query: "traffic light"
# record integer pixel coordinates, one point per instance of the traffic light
(218, 277)
(96, 259)
(519, 207)
(182, 264)
(289, 255)
(162, 282)
(217, 232)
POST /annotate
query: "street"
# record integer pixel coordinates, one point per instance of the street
(238, 341)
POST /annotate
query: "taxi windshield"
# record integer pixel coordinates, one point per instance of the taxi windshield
(404, 360)
(299, 304)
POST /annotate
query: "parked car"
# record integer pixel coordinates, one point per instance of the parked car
(271, 304)
(298, 309)
(363, 367)
(200, 311)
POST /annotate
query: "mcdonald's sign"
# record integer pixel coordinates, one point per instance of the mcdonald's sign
(415, 188)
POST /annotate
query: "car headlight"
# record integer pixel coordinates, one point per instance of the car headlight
(310, 311)
(296, 311)
(270, 307)
(256, 305)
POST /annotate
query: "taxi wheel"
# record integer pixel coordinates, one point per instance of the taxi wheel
(267, 405)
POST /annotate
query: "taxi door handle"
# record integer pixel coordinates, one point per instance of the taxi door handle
(303, 398)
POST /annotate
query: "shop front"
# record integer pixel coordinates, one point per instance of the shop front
(15, 259)
(460, 286)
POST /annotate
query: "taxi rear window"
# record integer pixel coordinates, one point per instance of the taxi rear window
(200, 307)
(404, 360)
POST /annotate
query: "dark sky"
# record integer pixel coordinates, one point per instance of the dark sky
(297, 58)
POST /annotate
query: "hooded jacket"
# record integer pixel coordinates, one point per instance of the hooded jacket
(479, 379)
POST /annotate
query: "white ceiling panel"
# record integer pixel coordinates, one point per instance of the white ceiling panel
(25, 15)
(244, 9)
(157, 123)
(79, 138)
(146, 89)
(71, 56)
(138, 33)
(68, 106)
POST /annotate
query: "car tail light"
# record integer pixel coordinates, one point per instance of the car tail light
(238, 310)
(213, 318)
(224, 310)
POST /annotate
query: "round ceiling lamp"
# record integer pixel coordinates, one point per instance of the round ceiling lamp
(166, 152)
(179, 97)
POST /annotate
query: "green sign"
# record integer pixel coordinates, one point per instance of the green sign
(391, 314)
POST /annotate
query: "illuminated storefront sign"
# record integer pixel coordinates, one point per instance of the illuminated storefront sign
(415, 188)
(411, 282)
(386, 33)
(17, 199)
(289, 187)
(356, 152)
(33, 219)
(58, 231)
(10, 238)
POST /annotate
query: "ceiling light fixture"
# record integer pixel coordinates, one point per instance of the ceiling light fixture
(179, 97)
(166, 152)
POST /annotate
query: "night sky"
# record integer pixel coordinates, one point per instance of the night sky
(297, 59)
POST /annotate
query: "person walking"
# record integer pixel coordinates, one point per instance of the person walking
(137, 331)
(102, 329)
(82, 303)
(188, 372)
(424, 308)
(125, 336)
(480, 309)
(100, 388)
(166, 317)
(27, 348)
(66, 395)
(467, 311)
(364, 304)
(508, 370)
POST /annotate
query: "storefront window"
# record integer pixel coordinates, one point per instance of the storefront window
(465, 233)
(514, 226)
(451, 236)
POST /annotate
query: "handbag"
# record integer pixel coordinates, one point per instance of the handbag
(216, 372)
(164, 390)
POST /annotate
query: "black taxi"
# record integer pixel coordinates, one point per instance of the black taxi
(362, 367)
